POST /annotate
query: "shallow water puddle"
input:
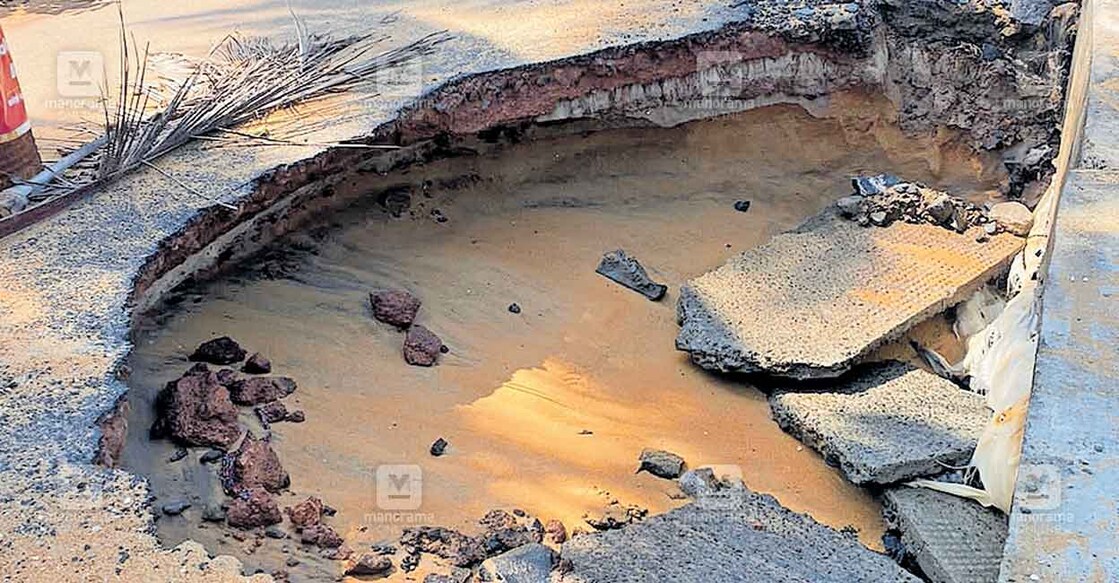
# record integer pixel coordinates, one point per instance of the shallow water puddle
(548, 409)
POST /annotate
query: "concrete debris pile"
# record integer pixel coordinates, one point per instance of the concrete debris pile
(882, 200)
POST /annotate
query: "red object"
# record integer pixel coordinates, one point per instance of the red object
(13, 114)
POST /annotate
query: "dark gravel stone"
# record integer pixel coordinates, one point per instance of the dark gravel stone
(257, 390)
(257, 364)
(395, 307)
(179, 454)
(211, 456)
(295, 417)
(439, 447)
(742, 206)
(271, 412)
(422, 347)
(258, 508)
(275, 532)
(625, 270)
(222, 350)
(514, 308)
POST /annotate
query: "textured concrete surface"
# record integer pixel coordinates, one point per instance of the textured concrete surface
(769, 310)
(1064, 524)
(750, 538)
(886, 422)
(951, 539)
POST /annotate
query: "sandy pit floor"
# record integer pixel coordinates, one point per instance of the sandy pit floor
(546, 410)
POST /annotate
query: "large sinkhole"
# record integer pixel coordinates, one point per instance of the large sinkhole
(556, 378)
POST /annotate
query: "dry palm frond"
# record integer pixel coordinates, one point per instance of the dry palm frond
(243, 79)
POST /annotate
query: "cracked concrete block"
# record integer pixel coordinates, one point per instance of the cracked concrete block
(886, 422)
(748, 539)
(531, 563)
(811, 302)
(952, 540)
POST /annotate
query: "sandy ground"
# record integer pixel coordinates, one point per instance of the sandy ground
(518, 392)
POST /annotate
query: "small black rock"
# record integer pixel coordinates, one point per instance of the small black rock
(211, 456)
(514, 308)
(179, 454)
(275, 532)
(742, 206)
(439, 447)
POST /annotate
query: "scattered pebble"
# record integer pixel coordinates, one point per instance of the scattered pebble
(742, 206)
(222, 350)
(175, 508)
(514, 308)
(257, 364)
(660, 463)
(439, 447)
(179, 454)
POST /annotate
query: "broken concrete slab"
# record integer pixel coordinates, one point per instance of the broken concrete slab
(951, 539)
(623, 269)
(886, 422)
(787, 308)
(751, 539)
(531, 563)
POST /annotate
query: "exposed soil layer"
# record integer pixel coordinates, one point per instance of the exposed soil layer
(547, 409)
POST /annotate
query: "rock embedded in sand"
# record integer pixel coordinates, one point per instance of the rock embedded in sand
(616, 517)
(369, 564)
(1014, 217)
(222, 350)
(556, 531)
(271, 412)
(257, 390)
(197, 410)
(742, 206)
(422, 347)
(625, 270)
(256, 509)
(662, 464)
(439, 447)
(305, 514)
(256, 465)
(257, 364)
(175, 508)
(395, 307)
(458, 549)
(227, 377)
(296, 417)
(321, 536)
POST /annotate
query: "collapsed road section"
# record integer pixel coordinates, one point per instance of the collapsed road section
(985, 79)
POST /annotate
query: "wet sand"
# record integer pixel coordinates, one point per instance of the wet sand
(518, 393)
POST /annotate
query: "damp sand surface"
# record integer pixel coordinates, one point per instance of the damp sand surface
(548, 409)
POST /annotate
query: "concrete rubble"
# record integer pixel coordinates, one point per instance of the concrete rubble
(769, 310)
(950, 539)
(746, 538)
(885, 422)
